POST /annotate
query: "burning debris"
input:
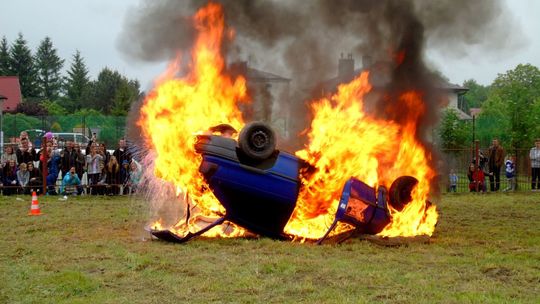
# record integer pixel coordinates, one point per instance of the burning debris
(345, 143)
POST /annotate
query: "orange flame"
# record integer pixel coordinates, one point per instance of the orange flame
(178, 108)
(344, 142)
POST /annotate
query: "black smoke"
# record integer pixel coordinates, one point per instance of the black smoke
(302, 40)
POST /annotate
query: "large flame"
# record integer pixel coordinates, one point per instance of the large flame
(344, 142)
(178, 108)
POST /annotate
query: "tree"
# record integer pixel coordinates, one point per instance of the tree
(48, 66)
(477, 93)
(112, 90)
(77, 84)
(454, 132)
(21, 64)
(32, 109)
(493, 122)
(519, 89)
(125, 95)
(54, 109)
(105, 88)
(4, 57)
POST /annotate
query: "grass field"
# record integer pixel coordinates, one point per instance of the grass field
(486, 249)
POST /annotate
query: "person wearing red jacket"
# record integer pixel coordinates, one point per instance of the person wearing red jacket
(476, 179)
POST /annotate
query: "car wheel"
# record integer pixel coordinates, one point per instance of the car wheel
(257, 140)
(400, 193)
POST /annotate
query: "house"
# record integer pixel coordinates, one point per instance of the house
(456, 100)
(270, 97)
(10, 89)
(380, 73)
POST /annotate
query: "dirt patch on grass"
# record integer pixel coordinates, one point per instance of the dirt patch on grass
(499, 273)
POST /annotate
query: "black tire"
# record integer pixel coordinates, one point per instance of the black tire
(400, 192)
(257, 140)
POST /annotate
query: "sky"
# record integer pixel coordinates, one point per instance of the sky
(93, 27)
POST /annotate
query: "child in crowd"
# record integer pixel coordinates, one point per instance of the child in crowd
(34, 181)
(476, 179)
(453, 178)
(9, 154)
(135, 176)
(23, 177)
(10, 178)
(510, 173)
(71, 184)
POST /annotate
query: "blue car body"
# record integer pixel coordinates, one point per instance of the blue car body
(261, 195)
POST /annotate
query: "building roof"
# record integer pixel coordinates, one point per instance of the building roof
(454, 87)
(462, 115)
(257, 75)
(11, 89)
(254, 75)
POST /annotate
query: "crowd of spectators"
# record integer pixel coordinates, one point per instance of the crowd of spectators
(69, 169)
(490, 167)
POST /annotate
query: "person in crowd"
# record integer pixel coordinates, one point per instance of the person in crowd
(94, 165)
(9, 154)
(34, 181)
(24, 134)
(534, 155)
(476, 179)
(510, 172)
(80, 161)
(23, 177)
(10, 178)
(495, 162)
(453, 179)
(102, 186)
(71, 184)
(68, 158)
(113, 170)
(122, 153)
(106, 156)
(53, 169)
(135, 175)
(1, 176)
(124, 177)
(25, 152)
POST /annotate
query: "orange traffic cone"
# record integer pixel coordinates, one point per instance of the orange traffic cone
(34, 208)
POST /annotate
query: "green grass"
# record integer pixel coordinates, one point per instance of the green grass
(94, 250)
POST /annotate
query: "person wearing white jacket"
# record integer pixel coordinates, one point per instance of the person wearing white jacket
(534, 155)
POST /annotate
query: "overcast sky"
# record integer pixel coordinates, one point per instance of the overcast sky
(93, 27)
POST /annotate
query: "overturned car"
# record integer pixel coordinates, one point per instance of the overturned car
(258, 186)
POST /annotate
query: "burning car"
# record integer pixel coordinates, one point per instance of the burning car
(258, 186)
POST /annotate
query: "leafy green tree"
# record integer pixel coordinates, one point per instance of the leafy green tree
(21, 64)
(49, 67)
(477, 93)
(4, 57)
(105, 88)
(127, 93)
(113, 91)
(519, 89)
(493, 122)
(77, 84)
(54, 108)
(454, 133)
(535, 114)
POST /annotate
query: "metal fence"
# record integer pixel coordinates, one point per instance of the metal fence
(460, 159)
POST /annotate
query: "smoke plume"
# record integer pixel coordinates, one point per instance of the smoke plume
(302, 40)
